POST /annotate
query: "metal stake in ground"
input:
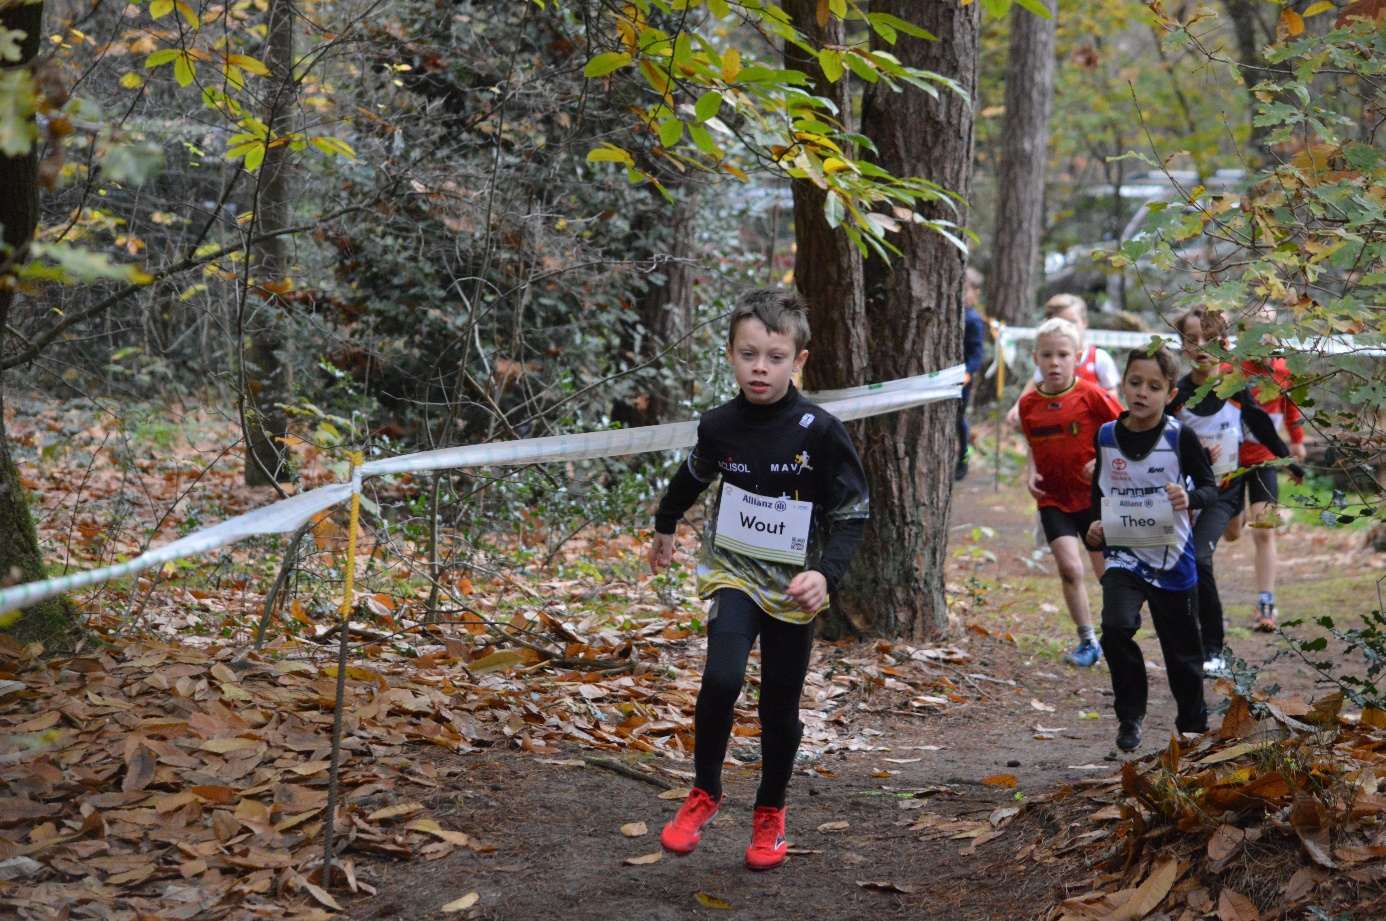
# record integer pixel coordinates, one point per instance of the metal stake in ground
(998, 329)
(344, 625)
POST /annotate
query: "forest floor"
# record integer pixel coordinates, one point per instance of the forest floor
(973, 779)
(900, 830)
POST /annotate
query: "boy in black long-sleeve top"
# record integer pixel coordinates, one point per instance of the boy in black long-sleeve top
(1150, 473)
(790, 516)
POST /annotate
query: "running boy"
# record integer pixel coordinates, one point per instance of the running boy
(1059, 419)
(1094, 364)
(790, 516)
(974, 342)
(1263, 482)
(1144, 460)
(1221, 426)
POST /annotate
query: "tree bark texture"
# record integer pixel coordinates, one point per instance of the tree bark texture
(827, 265)
(20, 557)
(1009, 292)
(914, 313)
(267, 368)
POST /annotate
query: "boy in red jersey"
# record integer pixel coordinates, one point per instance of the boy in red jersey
(1263, 483)
(1093, 365)
(1059, 418)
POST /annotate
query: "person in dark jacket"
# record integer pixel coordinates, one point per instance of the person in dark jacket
(974, 328)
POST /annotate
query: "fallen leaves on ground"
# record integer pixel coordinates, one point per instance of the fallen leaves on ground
(1248, 823)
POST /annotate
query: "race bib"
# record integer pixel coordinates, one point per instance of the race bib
(767, 529)
(1230, 439)
(1138, 521)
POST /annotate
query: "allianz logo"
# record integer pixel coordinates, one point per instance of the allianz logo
(778, 505)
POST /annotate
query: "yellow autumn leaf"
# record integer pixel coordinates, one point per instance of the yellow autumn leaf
(462, 904)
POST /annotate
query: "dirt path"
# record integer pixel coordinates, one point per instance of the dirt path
(555, 825)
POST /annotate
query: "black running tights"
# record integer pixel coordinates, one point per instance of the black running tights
(733, 625)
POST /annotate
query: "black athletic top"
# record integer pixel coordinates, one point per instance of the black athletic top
(1254, 419)
(790, 449)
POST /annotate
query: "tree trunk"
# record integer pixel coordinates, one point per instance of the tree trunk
(914, 308)
(827, 265)
(20, 559)
(1009, 292)
(1254, 31)
(267, 370)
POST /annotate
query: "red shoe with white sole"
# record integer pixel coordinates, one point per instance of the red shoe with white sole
(682, 835)
(768, 847)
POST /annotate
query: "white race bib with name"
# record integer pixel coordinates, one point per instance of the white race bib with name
(1139, 521)
(767, 529)
(1229, 439)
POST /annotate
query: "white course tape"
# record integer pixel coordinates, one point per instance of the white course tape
(1121, 339)
(288, 515)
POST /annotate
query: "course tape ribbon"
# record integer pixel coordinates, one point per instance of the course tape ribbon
(288, 515)
(1122, 339)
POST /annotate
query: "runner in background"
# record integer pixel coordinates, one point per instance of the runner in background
(789, 518)
(974, 342)
(1059, 419)
(1221, 425)
(1263, 483)
(1094, 364)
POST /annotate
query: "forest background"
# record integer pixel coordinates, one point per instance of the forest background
(263, 235)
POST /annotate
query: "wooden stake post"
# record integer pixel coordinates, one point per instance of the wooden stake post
(343, 633)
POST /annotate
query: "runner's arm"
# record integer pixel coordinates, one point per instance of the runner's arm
(1198, 468)
(846, 504)
(687, 484)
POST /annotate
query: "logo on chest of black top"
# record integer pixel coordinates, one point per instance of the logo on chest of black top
(732, 466)
(801, 463)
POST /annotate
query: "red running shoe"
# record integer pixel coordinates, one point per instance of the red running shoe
(768, 847)
(681, 835)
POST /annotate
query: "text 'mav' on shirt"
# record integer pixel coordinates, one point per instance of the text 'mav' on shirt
(791, 449)
(1060, 428)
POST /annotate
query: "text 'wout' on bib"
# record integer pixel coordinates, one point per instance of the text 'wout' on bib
(764, 528)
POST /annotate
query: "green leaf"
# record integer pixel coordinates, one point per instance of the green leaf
(160, 8)
(605, 63)
(1036, 7)
(162, 56)
(707, 105)
(9, 45)
(834, 210)
(719, 8)
(610, 154)
(703, 138)
(254, 157)
(899, 25)
(183, 70)
(333, 147)
(858, 66)
(132, 81)
(17, 106)
(132, 163)
(830, 61)
(670, 132)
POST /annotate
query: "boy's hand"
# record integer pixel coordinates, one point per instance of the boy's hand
(1095, 535)
(1178, 498)
(1297, 474)
(809, 589)
(1297, 451)
(1013, 416)
(661, 552)
(1215, 453)
(1033, 484)
(1088, 470)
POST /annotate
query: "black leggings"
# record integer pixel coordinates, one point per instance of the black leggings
(1207, 531)
(1176, 626)
(733, 625)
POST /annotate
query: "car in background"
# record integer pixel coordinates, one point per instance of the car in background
(1101, 218)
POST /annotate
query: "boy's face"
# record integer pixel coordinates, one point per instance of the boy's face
(1056, 357)
(1078, 318)
(763, 361)
(1194, 340)
(1145, 388)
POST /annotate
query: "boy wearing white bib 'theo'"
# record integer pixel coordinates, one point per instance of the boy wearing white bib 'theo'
(790, 515)
(1150, 472)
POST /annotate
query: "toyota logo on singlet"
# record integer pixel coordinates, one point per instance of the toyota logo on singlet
(1118, 464)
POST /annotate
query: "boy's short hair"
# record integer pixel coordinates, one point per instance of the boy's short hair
(781, 311)
(1169, 365)
(1211, 323)
(974, 278)
(1061, 302)
(1058, 326)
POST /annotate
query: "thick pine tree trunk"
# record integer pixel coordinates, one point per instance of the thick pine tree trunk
(1010, 286)
(914, 310)
(267, 369)
(20, 559)
(827, 266)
